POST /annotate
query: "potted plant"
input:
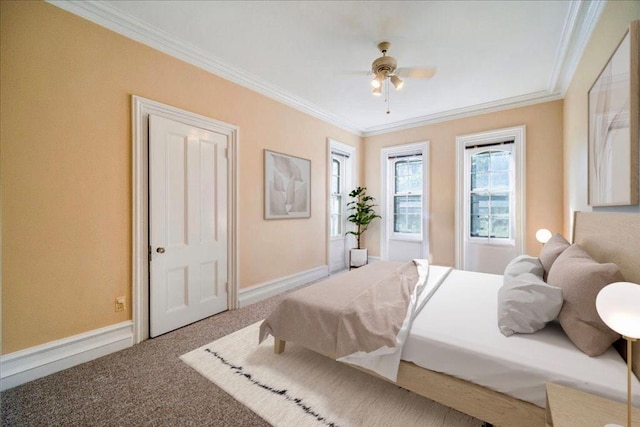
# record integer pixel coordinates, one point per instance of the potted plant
(362, 214)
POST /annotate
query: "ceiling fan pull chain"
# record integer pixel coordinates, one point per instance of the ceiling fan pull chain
(387, 96)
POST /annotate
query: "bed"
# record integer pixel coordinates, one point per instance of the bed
(507, 385)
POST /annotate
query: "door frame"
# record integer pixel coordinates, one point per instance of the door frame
(351, 151)
(141, 108)
(518, 135)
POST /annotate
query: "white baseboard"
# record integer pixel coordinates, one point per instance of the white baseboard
(274, 287)
(374, 258)
(36, 362)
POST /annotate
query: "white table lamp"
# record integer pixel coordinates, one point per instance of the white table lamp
(543, 235)
(618, 306)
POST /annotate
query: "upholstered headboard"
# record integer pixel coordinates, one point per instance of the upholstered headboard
(612, 237)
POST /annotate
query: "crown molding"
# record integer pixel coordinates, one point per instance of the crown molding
(113, 19)
(563, 46)
(459, 113)
(581, 21)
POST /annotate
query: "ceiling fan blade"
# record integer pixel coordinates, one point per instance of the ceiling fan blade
(342, 74)
(417, 72)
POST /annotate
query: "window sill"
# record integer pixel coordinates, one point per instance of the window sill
(407, 238)
(493, 242)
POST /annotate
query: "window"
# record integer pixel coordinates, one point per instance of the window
(490, 198)
(490, 195)
(404, 202)
(341, 178)
(337, 195)
(407, 195)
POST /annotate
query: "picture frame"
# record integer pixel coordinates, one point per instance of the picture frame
(287, 186)
(614, 116)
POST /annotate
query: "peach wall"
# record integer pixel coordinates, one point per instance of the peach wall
(65, 137)
(543, 163)
(610, 29)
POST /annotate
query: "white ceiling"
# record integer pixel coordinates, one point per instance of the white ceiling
(488, 54)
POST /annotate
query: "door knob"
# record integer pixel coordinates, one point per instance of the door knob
(160, 250)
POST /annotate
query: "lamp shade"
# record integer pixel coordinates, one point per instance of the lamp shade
(397, 82)
(618, 306)
(377, 80)
(543, 235)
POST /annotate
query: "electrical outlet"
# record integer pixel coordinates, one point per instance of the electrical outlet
(120, 304)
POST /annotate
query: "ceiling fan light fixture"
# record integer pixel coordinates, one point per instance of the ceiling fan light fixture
(386, 73)
(378, 79)
(397, 82)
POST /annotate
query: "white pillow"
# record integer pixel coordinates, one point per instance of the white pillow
(525, 302)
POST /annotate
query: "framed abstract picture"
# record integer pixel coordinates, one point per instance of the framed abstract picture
(287, 186)
(614, 116)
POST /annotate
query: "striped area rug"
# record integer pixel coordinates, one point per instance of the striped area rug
(303, 388)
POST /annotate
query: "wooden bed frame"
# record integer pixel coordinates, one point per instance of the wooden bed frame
(607, 237)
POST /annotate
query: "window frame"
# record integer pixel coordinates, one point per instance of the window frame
(393, 162)
(341, 159)
(385, 227)
(337, 248)
(516, 134)
(469, 153)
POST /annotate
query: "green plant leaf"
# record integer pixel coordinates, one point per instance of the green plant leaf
(362, 211)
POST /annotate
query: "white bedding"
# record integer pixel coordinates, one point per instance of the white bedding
(456, 333)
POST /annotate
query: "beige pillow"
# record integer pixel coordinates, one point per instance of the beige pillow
(552, 250)
(581, 278)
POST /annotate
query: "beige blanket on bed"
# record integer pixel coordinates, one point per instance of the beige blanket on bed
(361, 310)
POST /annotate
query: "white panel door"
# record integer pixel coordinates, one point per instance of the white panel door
(187, 224)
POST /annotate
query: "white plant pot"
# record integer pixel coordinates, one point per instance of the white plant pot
(358, 257)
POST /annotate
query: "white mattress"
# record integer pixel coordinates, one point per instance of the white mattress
(457, 333)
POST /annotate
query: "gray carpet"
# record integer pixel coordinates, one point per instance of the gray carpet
(146, 384)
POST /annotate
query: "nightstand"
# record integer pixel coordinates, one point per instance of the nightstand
(568, 407)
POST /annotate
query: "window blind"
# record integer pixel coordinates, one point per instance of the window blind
(490, 144)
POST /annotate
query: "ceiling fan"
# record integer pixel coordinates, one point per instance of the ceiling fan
(385, 70)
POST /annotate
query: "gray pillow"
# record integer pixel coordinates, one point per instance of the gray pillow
(526, 304)
(581, 278)
(552, 250)
(523, 264)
